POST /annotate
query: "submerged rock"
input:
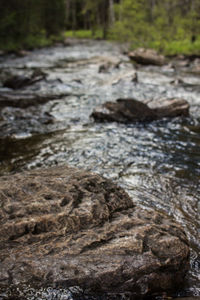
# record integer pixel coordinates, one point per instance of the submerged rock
(24, 122)
(131, 110)
(22, 100)
(65, 227)
(27, 99)
(147, 57)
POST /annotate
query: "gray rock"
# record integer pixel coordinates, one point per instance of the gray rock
(65, 227)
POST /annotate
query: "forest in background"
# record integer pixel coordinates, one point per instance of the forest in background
(170, 26)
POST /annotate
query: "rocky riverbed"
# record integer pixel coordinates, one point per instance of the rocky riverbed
(46, 122)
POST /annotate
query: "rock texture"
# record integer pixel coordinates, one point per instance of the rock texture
(147, 57)
(131, 110)
(65, 227)
(170, 107)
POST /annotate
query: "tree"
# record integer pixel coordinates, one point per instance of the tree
(22, 22)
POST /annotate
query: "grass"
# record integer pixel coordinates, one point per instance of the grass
(177, 47)
(41, 40)
(84, 34)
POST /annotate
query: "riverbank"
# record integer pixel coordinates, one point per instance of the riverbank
(168, 48)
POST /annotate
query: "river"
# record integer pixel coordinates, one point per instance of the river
(158, 163)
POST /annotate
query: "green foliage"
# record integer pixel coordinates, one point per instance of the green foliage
(132, 26)
(182, 47)
(30, 23)
(170, 26)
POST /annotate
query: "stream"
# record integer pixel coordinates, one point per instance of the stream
(157, 163)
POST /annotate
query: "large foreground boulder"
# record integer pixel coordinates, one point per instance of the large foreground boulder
(131, 110)
(64, 227)
(147, 57)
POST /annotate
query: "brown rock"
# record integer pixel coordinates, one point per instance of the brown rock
(147, 57)
(131, 110)
(65, 227)
(170, 107)
(123, 111)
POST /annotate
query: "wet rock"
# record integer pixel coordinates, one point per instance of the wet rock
(109, 64)
(20, 81)
(104, 68)
(123, 111)
(65, 227)
(26, 99)
(177, 81)
(135, 78)
(131, 110)
(17, 82)
(22, 100)
(147, 57)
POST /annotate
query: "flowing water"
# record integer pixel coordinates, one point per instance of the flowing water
(158, 163)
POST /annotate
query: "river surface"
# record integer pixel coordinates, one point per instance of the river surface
(158, 163)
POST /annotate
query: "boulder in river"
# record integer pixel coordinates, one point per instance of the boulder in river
(131, 110)
(147, 57)
(65, 227)
(123, 111)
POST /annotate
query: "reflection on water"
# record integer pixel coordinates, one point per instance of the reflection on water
(157, 163)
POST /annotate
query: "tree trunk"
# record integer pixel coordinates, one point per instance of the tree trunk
(74, 20)
(111, 13)
(67, 5)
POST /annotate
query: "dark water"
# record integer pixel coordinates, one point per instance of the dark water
(157, 163)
